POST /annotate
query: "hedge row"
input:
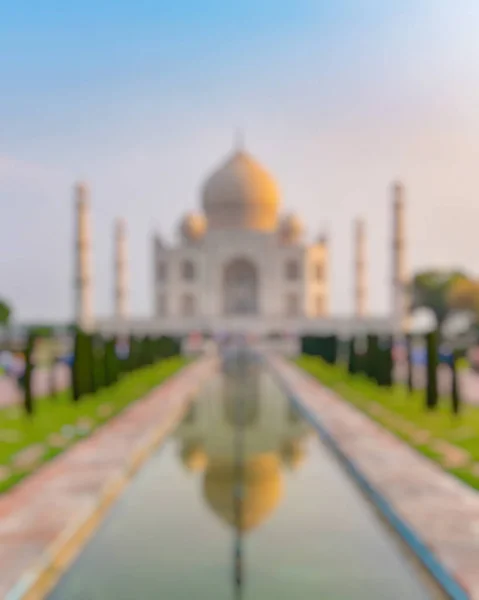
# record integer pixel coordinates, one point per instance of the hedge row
(99, 362)
(372, 355)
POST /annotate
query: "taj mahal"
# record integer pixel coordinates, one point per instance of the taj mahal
(240, 265)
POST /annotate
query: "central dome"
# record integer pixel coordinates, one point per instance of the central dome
(241, 194)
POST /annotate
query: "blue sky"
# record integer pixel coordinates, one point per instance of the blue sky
(142, 99)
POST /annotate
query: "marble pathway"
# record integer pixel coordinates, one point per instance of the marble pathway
(441, 510)
(38, 512)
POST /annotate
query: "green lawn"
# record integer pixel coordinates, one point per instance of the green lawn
(452, 441)
(59, 422)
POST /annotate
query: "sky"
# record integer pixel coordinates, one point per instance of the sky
(142, 99)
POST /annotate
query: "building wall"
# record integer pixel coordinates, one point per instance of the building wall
(290, 287)
(261, 326)
(210, 259)
(175, 288)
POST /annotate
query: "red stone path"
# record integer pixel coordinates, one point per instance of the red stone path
(37, 512)
(441, 510)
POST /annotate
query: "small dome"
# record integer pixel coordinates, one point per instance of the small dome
(292, 454)
(193, 227)
(291, 229)
(241, 194)
(194, 457)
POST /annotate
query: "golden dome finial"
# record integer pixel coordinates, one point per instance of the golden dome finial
(239, 140)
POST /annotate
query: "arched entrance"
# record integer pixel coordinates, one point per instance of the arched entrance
(240, 288)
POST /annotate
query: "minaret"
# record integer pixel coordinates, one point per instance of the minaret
(83, 267)
(360, 274)
(399, 273)
(121, 271)
(323, 242)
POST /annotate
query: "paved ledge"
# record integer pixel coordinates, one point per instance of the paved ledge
(436, 514)
(46, 519)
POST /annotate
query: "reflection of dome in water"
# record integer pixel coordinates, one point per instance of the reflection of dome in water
(261, 484)
(293, 454)
(194, 457)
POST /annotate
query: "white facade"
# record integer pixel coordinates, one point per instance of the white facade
(239, 274)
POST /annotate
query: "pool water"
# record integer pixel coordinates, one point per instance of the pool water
(243, 501)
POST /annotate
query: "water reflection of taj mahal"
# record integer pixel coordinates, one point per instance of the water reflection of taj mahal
(273, 440)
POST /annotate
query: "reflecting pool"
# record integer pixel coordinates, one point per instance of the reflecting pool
(243, 501)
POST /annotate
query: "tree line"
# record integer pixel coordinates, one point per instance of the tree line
(98, 362)
(372, 356)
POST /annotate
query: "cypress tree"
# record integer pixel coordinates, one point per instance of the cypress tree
(123, 361)
(90, 378)
(410, 367)
(455, 389)
(110, 362)
(127, 365)
(391, 362)
(148, 359)
(309, 345)
(157, 348)
(303, 344)
(352, 362)
(75, 378)
(132, 357)
(98, 364)
(178, 346)
(53, 376)
(153, 349)
(331, 349)
(116, 360)
(82, 383)
(141, 353)
(166, 346)
(432, 361)
(372, 368)
(138, 356)
(361, 355)
(107, 364)
(27, 377)
(327, 348)
(387, 363)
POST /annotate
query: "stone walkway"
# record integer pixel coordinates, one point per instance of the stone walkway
(442, 512)
(40, 517)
